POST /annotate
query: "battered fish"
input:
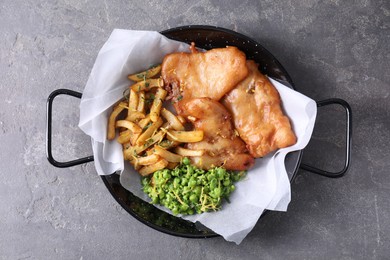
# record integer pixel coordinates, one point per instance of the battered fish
(221, 144)
(202, 74)
(257, 115)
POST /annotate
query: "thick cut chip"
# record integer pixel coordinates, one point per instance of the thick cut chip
(112, 119)
(149, 169)
(257, 114)
(150, 73)
(167, 155)
(209, 74)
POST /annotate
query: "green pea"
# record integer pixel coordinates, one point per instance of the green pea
(176, 182)
(155, 200)
(168, 198)
(210, 176)
(175, 210)
(186, 161)
(192, 182)
(184, 181)
(183, 207)
(161, 195)
(226, 182)
(166, 174)
(194, 198)
(176, 172)
(220, 173)
(217, 192)
(213, 184)
(153, 193)
(197, 190)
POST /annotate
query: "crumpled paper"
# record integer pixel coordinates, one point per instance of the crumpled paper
(266, 185)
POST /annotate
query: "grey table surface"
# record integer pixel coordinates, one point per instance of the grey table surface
(330, 48)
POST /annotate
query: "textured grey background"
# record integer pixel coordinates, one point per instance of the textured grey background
(331, 48)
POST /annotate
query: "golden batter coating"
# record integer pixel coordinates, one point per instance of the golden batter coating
(255, 106)
(220, 144)
(209, 74)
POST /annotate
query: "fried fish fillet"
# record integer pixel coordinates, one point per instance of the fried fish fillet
(257, 114)
(202, 74)
(220, 143)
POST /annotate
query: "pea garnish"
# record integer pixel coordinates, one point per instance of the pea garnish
(188, 190)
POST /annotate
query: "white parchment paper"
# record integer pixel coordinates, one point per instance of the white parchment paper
(266, 185)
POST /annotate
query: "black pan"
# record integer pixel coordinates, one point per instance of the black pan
(206, 37)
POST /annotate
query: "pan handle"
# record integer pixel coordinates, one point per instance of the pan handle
(49, 107)
(348, 111)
